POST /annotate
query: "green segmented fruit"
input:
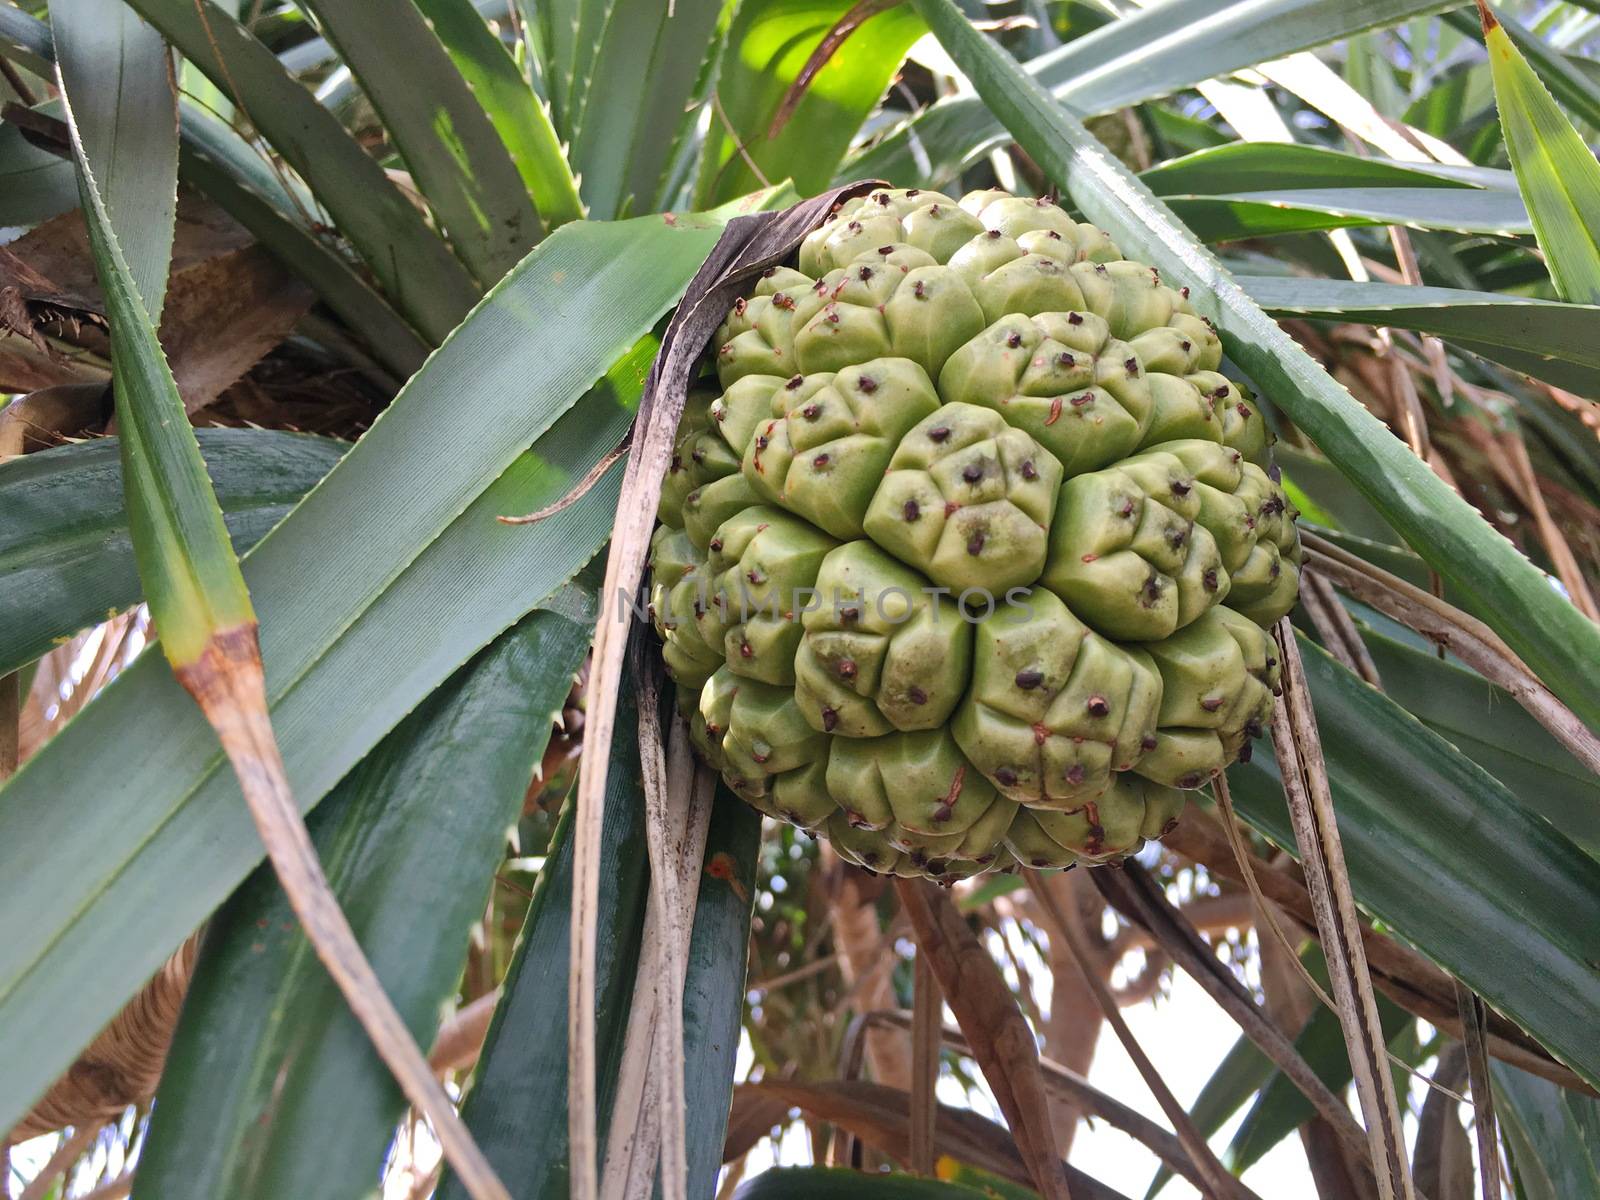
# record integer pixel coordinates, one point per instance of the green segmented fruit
(967, 564)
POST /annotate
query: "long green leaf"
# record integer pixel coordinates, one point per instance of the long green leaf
(1152, 52)
(1490, 728)
(267, 1061)
(519, 116)
(1263, 166)
(443, 133)
(114, 69)
(412, 265)
(1570, 78)
(1556, 342)
(1557, 171)
(1554, 1134)
(516, 1107)
(767, 47)
(713, 991)
(647, 64)
(1262, 214)
(400, 537)
(188, 569)
(66, 556)
(1508, 591)
(1446, 856)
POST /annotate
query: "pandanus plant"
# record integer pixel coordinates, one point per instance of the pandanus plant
(544, 439)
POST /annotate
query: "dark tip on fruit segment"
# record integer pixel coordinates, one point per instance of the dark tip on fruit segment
(1181, 487)
(820, 461)
(830, 718)
(847, 668)
(1029, 678)
(865, 273)
(794, 382)
(1075, 774)
(911, 511)
(1006, 777)
(1065, 359)
(940, 433)
(1131, 365)
(746, 650)
(1148, 742)
(716, 545)
(943, 813)
(972, 472)
(1245, 751)
(991, 234)
(811, 411)
(1029, 471)
(1098, 706)
(783, 300)
(1013, 339)
(1074, 318)
(1211, 703)
(975, 544)
(917, 696)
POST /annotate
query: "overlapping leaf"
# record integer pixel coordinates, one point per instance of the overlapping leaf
(390, 574)
(268, 1062)
(66, 559)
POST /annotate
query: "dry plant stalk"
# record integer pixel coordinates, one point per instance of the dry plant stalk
(1068, 1085)
(1469, 639)
(1305, 783)
(1137, 897)
(1470, 1005)
(987, 1012)
(879, 1116)
(925, 1064)
(1218, 1181)
(678, 820)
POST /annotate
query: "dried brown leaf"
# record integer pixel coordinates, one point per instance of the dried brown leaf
(987, 1012)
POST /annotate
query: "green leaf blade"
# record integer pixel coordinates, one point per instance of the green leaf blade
(267, 1060)
(66, 556)
(1557, 172)
(412, 265)
(519, 116)
(443, 133)
(191, 577)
